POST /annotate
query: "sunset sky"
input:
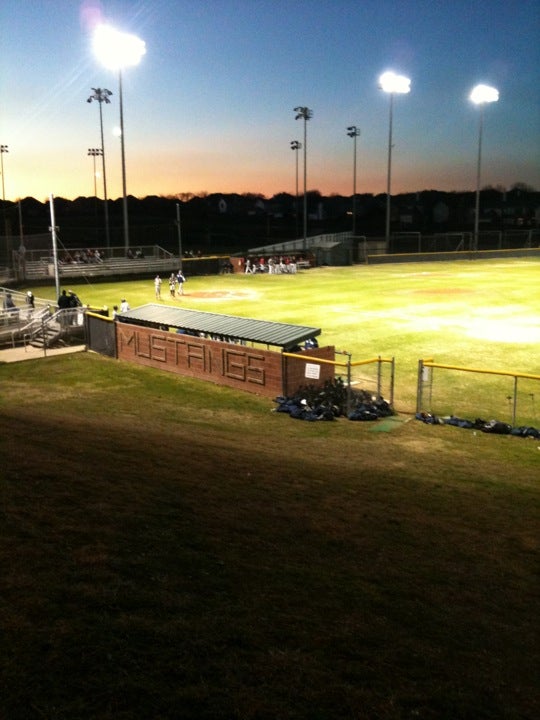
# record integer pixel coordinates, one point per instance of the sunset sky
(210, 107)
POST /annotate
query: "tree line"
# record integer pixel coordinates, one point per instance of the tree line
(231, 222)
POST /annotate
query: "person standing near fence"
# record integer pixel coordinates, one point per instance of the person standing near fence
(63, 305)
(74, 303)
(30, 303)
(157, 287)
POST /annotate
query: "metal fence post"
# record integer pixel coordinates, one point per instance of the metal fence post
(44, 337)
(392, 380)
(514, 407)
(419, 386)
(349, 389)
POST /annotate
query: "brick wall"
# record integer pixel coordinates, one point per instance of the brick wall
(239, 366)
(299, 373)
(264, 372)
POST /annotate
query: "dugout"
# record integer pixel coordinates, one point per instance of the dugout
(243, 353)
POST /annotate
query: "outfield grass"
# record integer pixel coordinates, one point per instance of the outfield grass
(173, 549)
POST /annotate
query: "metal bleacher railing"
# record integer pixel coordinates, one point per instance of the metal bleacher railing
(80, 263)
(22, 319)
(40, 324)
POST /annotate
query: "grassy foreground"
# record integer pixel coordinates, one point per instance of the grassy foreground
(172, 550)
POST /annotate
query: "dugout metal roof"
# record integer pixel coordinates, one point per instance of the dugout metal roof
(282, 335)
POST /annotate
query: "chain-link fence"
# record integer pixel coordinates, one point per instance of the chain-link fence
(472, 393)
(374, 376)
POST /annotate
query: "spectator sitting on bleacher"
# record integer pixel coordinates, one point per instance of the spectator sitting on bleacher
(9, 303)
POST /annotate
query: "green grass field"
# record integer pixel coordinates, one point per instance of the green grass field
(171, 549)
(482, 314)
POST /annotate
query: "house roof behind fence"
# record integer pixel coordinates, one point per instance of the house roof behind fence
(266, 332)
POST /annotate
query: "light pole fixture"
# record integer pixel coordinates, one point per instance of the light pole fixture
(101, 95)
(305, 114)
(117, 50)
(354, 132)
(179, 231)
(392, 84)
(3, 149)
(95, 152)
(296, 146)
(480, 95)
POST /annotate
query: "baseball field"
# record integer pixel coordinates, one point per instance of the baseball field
(173, 549)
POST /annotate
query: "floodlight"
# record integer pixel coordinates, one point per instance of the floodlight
(483, 94)
(390, 82)
(116, 50)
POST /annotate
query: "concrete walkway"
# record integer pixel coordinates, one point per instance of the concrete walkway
(18, 354)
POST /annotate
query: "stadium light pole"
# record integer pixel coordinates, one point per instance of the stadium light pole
(305, 114)
(94, 153)
(392, 84)
(480, 95)
(296, 146)
(3, 149)
(354, 132)
(101, 95)
(118, 50)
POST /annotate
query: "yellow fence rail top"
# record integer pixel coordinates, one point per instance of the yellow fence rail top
(100, 317)
(485, 371)
(309, 358)
(337, 363)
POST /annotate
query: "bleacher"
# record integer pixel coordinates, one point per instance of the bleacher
(44, 268)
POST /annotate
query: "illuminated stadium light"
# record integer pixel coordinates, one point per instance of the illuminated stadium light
(393, 84)
(480, 95)
(117, 50)
(390, 82)
(483, 94)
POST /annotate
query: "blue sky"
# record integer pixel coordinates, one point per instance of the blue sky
(210, 107)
